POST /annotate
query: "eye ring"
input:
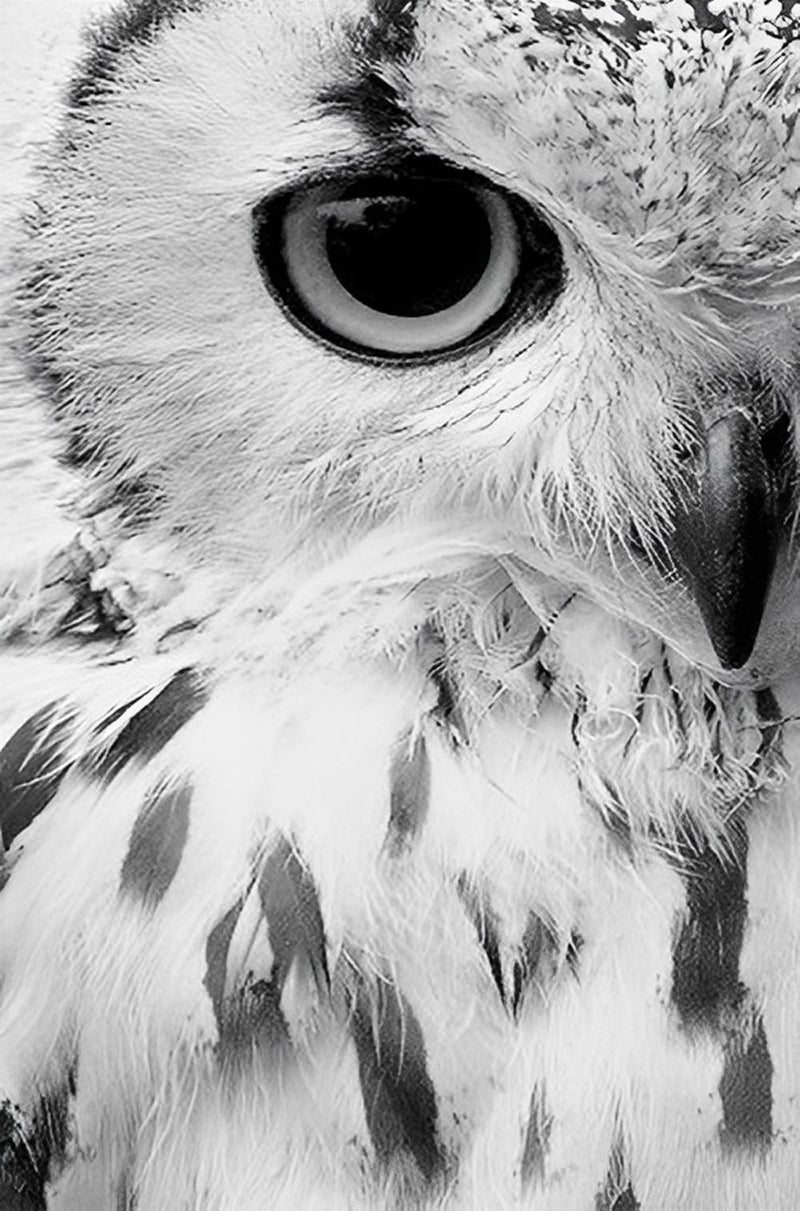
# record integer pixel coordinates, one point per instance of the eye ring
(404, 265)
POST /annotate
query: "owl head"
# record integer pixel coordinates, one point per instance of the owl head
(523, 273)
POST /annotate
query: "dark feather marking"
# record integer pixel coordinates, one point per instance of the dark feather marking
(641, 703)
(533, 648)
(705, 957)
(385, 35)
(613, 814)
(114, 716)
(21, 1181)
(253, 1013)
(52, 1125)
(769, 715)
(538, 956)
(617, 819)
(544, 676)
(409, 791)
(617, 1192)
(537, 1139)
(399, 1097)
(574, 947)
(485, 922)
(217, 947)
(745, 1089)
(447, 708)
(146, 733)
(135, 23)
(94, 614)
(31, 1149)
(388, 33)
(675, 698)
(31, 771)
(126, 1198)
(372, 104)
(254, 1009)
(577, 718)
(706, 988)
(292, 912)
(705, 19)
(156, 844)
(630, 30)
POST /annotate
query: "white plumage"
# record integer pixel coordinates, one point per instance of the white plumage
(398, 762)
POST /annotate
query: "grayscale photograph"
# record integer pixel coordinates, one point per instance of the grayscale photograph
(399, 605)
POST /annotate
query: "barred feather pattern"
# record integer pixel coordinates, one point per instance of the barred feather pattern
(424, 912)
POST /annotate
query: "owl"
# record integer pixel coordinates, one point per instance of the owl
(399, 603)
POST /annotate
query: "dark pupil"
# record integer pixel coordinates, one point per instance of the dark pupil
(411, 251)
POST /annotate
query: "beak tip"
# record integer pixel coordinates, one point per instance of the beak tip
(733, 650)
(726, 537)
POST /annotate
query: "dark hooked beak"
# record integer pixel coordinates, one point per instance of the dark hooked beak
(725, 534)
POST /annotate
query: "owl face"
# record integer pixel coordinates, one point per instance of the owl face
(526, 272)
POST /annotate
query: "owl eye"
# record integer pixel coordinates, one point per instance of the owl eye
(396, 265)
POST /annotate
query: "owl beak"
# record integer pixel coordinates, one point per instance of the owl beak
(725, 534)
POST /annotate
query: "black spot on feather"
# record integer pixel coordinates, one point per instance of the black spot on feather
(447, 710)
(253, 1014)
(388, 33)
(537, 960)
(292, 912)
(217, 947)
(94, 614)
(708, 993)
(745, 1088)
(153, 725)
(705, 957)
(21, 1179)
(31, 770)
(576, 721)
(32, 1148)
(485, 922)
(705, 19)
(385, 35)
(135, 23)
(628, 29)
(770, 716)
(537, 1139)
(157, 843)
(617, 1192)
(399, 1097)
(447, 701)
(253, 1010)
(409, 791)
(372, 104)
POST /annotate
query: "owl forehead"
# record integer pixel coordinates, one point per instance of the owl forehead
(611, 32)
(508, 47)
(670, 123)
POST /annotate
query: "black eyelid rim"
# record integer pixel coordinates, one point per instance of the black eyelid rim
(531, 296)
(400, 164)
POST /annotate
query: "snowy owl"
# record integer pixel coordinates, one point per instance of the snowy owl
(399, 602)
